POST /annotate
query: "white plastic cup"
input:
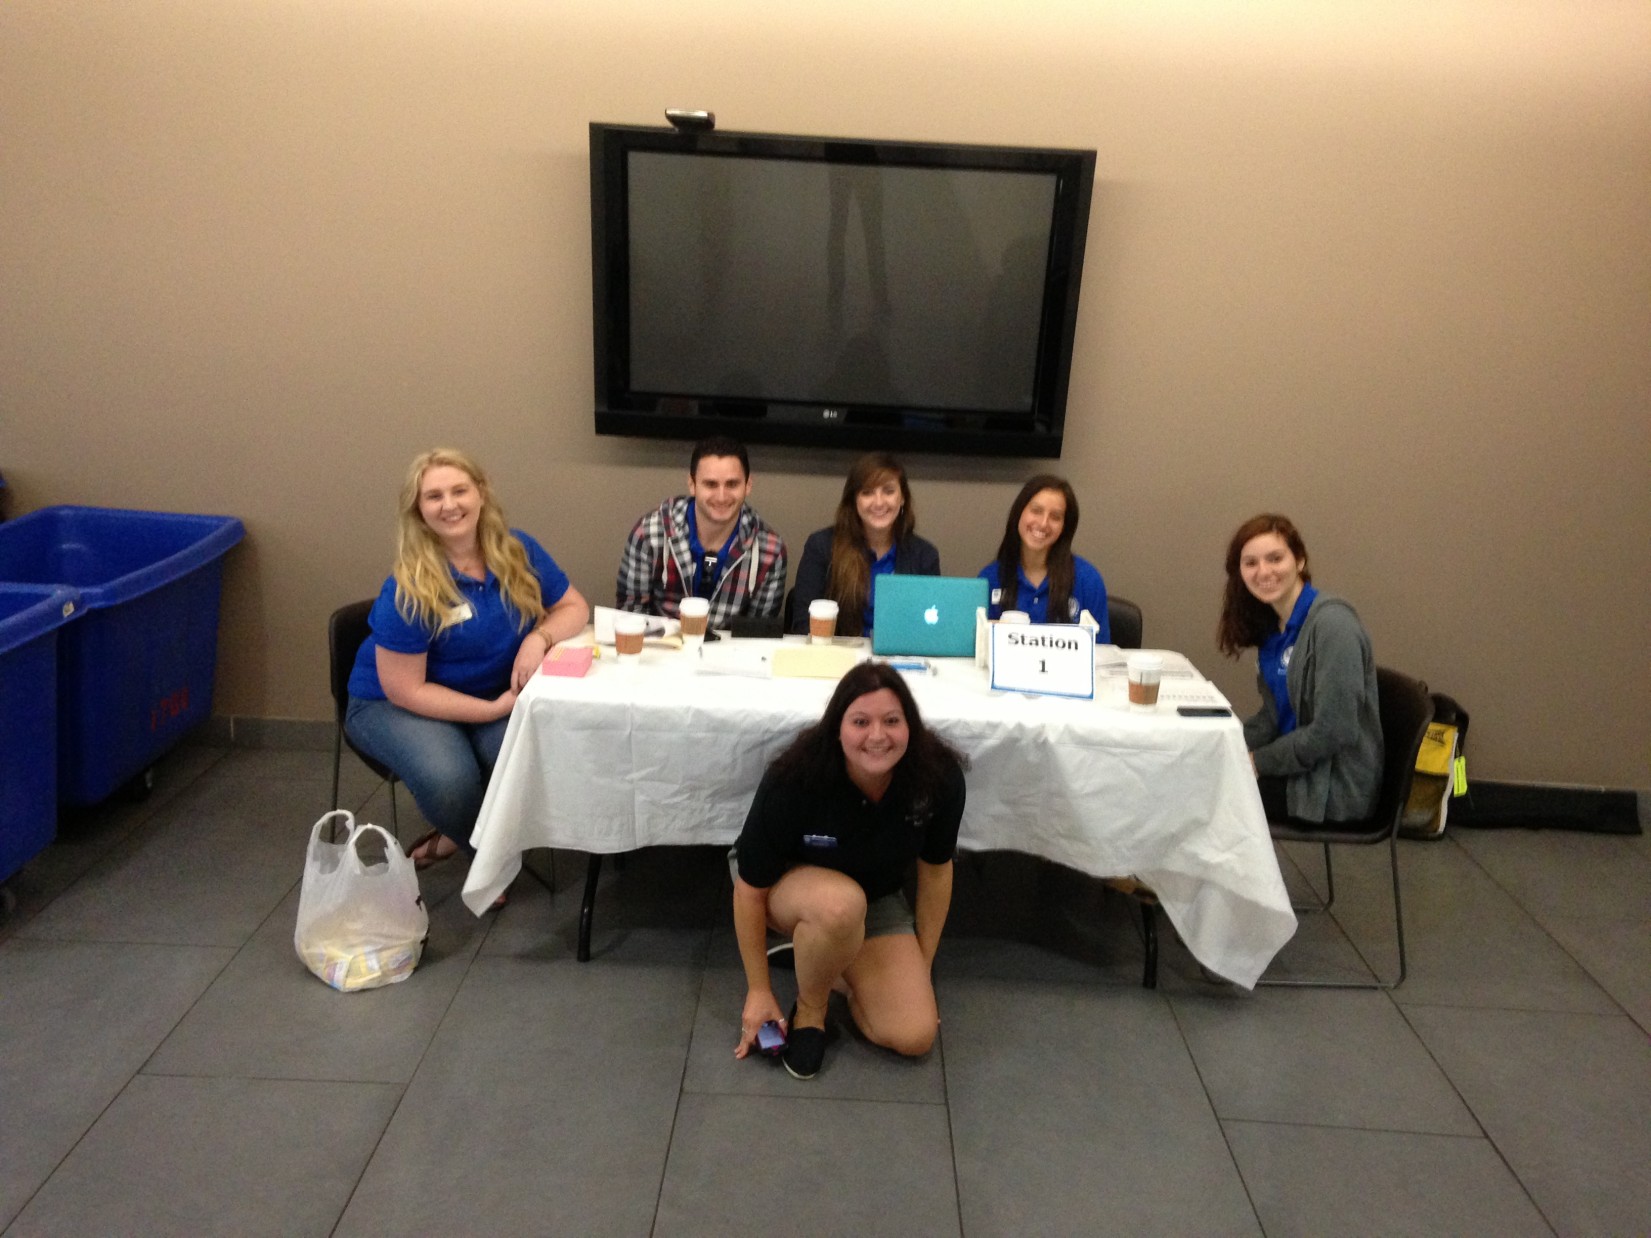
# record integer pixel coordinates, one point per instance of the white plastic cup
(822, 621)
(695, 616)
(1014, 616)
(628, 630)
(1145, 672)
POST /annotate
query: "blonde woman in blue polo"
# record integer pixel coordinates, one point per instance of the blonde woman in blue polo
(464, 619)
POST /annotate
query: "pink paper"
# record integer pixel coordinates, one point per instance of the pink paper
(573, 662)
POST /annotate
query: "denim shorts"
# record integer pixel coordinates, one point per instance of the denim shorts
(888, 916)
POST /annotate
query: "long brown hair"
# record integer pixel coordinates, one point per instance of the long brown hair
(425, 592)
(1247, 621)
(848, 582)
(1059, 566)
(815, 757)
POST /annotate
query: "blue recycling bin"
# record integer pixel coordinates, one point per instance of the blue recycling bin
(135, 669)
(30, 620)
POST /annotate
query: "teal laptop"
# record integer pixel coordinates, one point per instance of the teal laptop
(926, 616)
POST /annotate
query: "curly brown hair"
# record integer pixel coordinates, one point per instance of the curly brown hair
(1247, 621)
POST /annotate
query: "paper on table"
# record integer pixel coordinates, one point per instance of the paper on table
(1111, 660)
(752, 659)
(1192, 692)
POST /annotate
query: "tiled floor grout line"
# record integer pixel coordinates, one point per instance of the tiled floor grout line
(681, 1086)
(1536, 919)
(1215, 1114)
(412, 1075)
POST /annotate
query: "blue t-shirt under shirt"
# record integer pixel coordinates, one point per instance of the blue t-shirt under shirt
(1088, 593)
(707, 568)
(473, 656)
(1274, 658)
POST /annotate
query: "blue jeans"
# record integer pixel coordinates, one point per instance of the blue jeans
(445, 765)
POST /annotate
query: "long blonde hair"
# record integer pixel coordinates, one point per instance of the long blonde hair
(425, 592)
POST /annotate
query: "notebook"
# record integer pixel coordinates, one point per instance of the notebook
(929, 615)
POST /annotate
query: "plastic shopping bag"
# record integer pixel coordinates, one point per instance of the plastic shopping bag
(361, 922)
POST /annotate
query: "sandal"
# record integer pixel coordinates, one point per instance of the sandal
(426, 851)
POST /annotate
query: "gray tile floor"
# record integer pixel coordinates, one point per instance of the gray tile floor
(169, 1067)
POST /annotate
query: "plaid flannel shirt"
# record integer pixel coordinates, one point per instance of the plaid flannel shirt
(657, 569)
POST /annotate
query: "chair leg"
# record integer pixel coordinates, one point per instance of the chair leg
(1398, 924)
(1149, 926)
(1398, 907)
(337, 757)
(588, 907)
(395, 820)
(1329, 880)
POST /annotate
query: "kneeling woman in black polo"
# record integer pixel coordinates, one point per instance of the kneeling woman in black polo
(835, 827)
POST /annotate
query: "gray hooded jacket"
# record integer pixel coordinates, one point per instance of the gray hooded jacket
(1332, 761)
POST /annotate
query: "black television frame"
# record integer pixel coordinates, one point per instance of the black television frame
(687, 415)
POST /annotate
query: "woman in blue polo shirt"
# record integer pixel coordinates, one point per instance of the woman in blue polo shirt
(464, 619)
(1317, 740)
(1036, 571)
(872, 536)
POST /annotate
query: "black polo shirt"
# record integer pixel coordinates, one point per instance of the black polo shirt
(876, 844)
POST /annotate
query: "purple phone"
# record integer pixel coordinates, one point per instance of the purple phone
(771, 1038)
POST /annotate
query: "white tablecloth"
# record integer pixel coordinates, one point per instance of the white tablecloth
(661, 753)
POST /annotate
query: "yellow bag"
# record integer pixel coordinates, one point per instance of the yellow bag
(1441, 771)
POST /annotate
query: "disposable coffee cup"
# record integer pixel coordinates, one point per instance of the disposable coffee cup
(822, 621)
(627, 637)
(695, 615)
(1014, 616)
(1145, 671)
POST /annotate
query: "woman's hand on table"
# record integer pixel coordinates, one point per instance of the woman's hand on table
(760, 1007)
(529, 657)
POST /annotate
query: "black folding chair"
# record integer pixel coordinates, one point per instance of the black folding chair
(1124, 618)
(1406, 709)
(347, 631)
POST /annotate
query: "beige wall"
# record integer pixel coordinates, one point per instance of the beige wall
(1383, 266)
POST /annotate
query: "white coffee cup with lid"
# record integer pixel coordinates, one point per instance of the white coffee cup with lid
(695, 615)
(822, 621)
(628, 631)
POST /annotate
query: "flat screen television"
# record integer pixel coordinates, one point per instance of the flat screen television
(908, 296)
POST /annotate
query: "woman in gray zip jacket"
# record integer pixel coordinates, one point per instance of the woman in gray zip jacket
(1317, 740)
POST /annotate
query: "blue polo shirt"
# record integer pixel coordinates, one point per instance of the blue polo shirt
(1088, 593)
(473, 656)
(1274, 658)
(879, 567)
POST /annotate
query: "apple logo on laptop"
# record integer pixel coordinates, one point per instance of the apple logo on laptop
(932, 615)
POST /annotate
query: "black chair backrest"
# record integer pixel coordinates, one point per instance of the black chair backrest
(1406, 710)
(1124, 618)
(347, 631)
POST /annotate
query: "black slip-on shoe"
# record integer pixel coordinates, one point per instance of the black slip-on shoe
(804, 1048)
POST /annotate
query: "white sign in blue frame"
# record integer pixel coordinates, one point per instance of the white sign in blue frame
(1050, 659)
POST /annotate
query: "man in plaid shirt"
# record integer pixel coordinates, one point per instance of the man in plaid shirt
(708, 542)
